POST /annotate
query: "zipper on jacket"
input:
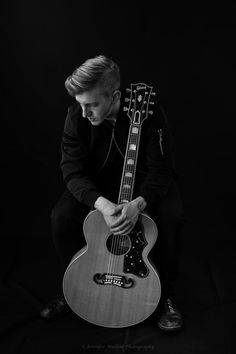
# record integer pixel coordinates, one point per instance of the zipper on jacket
(160, 140)
(108, 152)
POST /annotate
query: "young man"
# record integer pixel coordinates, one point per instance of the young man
(93, 149)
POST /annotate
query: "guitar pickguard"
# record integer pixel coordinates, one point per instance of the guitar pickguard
(133, 260)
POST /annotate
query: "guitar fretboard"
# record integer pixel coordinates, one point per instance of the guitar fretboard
(129, 169)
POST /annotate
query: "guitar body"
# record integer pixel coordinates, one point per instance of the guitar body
(111, 281)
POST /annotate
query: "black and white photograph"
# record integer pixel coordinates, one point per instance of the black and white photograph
(118, 177)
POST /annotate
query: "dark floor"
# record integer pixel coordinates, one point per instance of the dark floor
(206, 294)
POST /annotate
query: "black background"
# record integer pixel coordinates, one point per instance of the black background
(189, 56)
(189, 53)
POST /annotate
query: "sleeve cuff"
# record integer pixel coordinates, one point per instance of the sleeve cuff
(89, 198)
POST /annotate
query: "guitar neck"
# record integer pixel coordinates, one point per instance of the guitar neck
(138, 110)
(129, 169)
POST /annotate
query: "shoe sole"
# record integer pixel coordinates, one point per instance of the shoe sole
(168, 329)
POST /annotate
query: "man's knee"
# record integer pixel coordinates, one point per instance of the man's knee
(57, 215)
(170, 214)
(173, 218)
(64, 211)
(67, 212)
(60, 216)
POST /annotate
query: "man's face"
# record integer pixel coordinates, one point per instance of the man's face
(95, 105)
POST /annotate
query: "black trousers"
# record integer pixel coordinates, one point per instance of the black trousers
(68, 216)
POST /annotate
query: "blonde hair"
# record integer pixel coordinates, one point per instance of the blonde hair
(98, 71)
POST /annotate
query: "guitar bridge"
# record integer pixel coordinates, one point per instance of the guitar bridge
(113, 279)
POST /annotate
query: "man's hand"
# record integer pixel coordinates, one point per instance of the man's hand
(122, 218)
(109, 210)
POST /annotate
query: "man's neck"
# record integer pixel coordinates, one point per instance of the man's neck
(113, 115)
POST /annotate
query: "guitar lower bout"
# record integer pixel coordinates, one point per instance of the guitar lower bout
(111, 282)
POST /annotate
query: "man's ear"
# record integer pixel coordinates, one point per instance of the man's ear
(116, 96)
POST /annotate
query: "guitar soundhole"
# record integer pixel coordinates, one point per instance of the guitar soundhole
(118, 244)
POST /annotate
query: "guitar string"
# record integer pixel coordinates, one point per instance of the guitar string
(134, 139)
(131, 154)
(119, 244)
(116, 240)
(110, 259)
(125, 195)
(113, 255)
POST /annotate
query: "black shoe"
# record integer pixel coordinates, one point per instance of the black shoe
(170, 318)
(55, 309)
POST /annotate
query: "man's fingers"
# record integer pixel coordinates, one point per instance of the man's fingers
(124, 231)
(117, 210)
(121, 219)
(126, 227)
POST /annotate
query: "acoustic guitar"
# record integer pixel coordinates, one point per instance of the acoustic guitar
(111, 282)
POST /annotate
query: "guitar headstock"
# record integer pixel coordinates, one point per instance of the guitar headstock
(140, 98)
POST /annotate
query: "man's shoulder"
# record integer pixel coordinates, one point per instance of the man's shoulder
(74, 109)
(74, 120)
(155, 118)
(74, 114)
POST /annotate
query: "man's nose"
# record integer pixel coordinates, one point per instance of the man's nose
(86, 112)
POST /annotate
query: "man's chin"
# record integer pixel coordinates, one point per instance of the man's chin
(95, 122)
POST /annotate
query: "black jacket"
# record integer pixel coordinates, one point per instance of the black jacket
(93, 157)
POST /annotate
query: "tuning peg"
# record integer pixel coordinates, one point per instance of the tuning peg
(127, 99)
(150, 112)
(128, 89)
(153, 93)
(125, 109)
(151, 102)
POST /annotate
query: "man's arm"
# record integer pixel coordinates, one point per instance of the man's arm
(75, 161)
(159, 160)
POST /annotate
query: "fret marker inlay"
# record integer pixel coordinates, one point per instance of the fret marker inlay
(135, 130)
(130, 162)
(128, 174)
(132, 147)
